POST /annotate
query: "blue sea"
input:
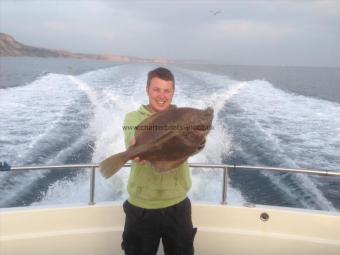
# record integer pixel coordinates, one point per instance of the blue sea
(62, 111)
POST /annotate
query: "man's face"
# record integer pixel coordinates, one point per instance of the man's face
(160, 94)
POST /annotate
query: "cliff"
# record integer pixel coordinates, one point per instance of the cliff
(9, 47)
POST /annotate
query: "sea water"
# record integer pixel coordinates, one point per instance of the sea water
(59, 111)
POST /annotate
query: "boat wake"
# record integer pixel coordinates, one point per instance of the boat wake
(255, 123)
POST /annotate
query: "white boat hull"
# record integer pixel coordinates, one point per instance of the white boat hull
(222, 229)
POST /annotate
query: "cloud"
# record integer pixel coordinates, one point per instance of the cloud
(55, 26)
(328, 8)
(256, 30)
(263, 32)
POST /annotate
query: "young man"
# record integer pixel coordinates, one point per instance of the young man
(158, 207)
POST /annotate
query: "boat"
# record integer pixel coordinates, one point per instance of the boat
(96, 228)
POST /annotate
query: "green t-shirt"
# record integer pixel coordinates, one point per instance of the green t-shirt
(148, 188)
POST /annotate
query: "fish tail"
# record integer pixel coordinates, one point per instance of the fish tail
(112, 164)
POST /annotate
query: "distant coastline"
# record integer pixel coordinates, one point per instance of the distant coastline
(9, 47)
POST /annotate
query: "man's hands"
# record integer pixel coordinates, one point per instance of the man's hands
(137, 159)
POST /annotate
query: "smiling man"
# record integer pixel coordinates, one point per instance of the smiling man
(158, 206)
(160, 91)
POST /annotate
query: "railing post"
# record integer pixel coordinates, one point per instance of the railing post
(92, 185)
(225, 185)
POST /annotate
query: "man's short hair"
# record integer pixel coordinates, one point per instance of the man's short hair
(161, 73)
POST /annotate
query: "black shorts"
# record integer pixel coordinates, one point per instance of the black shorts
(145, 227)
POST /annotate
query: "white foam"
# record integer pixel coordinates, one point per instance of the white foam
(207, 183)
(300, 131)
(109, 106)
(110, 103)
(305, 128)
(29, 114)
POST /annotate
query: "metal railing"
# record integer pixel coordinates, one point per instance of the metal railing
(226, 169)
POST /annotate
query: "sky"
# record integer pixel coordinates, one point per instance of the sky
(284, 33)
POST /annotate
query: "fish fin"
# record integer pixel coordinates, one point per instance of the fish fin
(112, 164)
(165, 166)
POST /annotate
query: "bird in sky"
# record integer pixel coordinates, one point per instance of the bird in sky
(215, 12)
